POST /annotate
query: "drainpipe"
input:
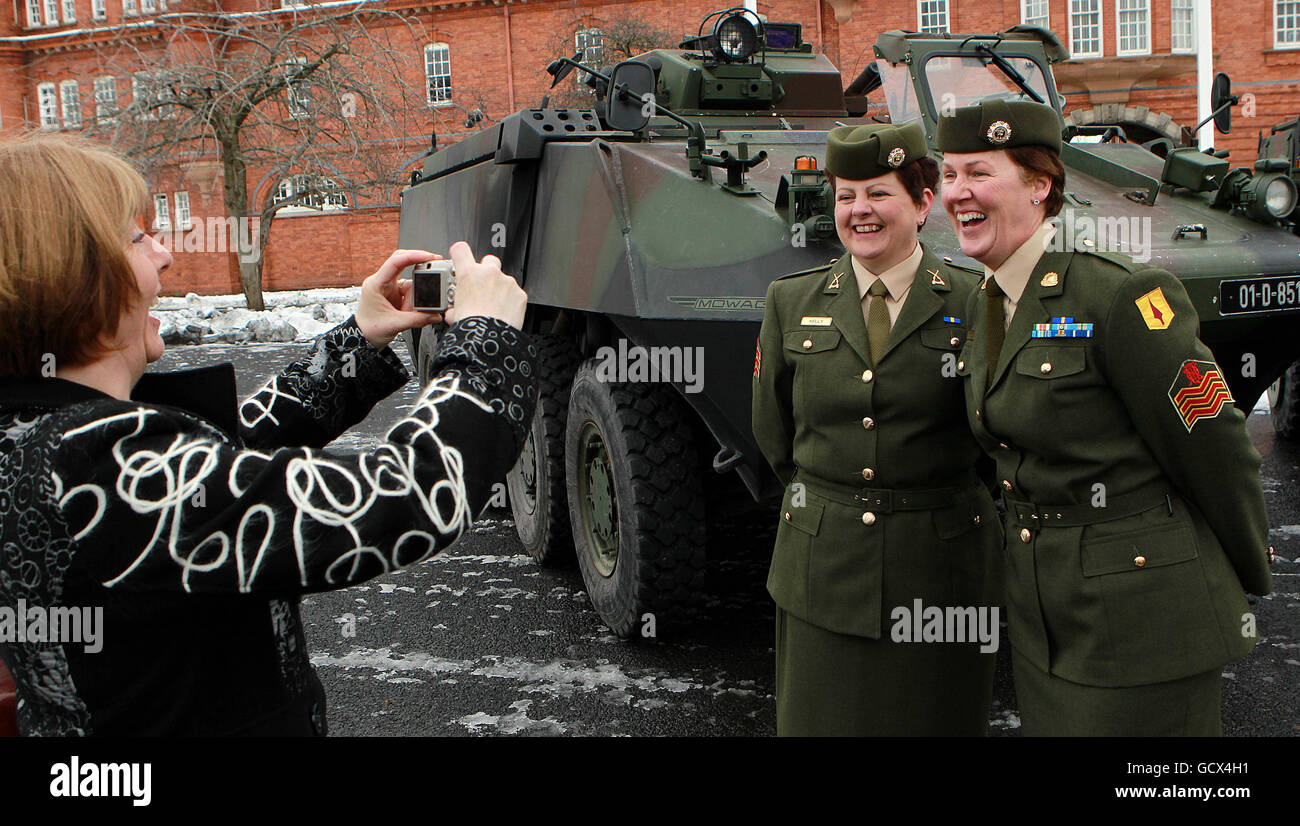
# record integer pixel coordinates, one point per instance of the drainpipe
(510, 71)
(1204, 70)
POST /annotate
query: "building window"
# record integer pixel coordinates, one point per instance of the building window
(1034, 13)
(161, 218)
(99, 9)
(933, 15)
(183, 219)
(1182, 26)
(128, 8)
(591, 44)
(1085, 28)
(51, 12)
(292, 4)
(149, 6)
(437, 73)
(33, 12)
(49, 105)
(297, 92)
(105, 99)
(1133, 23)
(311, 192)
(71, 104)
(148, 94)
(1286, 24)
(69, 11)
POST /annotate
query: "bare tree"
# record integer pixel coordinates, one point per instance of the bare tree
(603, 43)
(317, 97)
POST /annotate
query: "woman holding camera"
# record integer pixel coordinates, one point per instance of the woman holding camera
(1136, 517)
(196, 534)
(859, 410)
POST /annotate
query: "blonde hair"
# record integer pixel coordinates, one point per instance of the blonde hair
(66, 205)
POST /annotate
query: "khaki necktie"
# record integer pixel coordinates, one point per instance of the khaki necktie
(996, 319)
(878, 320)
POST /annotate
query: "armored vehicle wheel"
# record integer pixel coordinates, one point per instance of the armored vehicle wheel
(538, 497)
(422, 348)
(1284, 402)
(635, 500)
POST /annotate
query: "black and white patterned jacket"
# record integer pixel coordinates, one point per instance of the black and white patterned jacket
(196, 541)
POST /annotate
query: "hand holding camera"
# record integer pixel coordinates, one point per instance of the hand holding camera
(482, 289)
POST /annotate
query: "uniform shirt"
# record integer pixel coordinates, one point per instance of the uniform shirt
(898, 281)
(1014, 273)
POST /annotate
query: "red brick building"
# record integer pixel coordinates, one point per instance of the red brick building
(1133, 63)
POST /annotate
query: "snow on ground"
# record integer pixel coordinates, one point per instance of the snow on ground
(290, 315)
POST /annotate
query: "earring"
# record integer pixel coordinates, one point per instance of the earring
(1037, 202)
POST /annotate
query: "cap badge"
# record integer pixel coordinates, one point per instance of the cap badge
(1051, 280)
(896, 156)
(999, 132)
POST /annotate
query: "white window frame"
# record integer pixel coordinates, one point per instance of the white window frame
(151, 82)
(1027, 16)
(940, 11)
(297, 95)
(1293, 13)
(70, 104)
(183, 217)
(1145, 22)
(105, 99)
(1101, 28)
(293, 4)
(148, 6)
(128, 8)
(99, 9)
(34, 14)
(51, 12)
(162, 218)
(69, 11)
(1189, 6)
(47, 103)
(320, 202)
(429, 74)
(591, 42)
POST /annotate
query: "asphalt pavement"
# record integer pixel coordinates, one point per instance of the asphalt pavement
(480, 640)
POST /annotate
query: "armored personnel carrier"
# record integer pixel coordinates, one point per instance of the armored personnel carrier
(647, 228)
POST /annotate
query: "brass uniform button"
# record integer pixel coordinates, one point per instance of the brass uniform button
(807, 344)
(1006, 485)
(954, 341)
(867, 376)
(1045, 368)
(868, 518)
(1004, 445)
(1026, 535)
(1272, 555)
(976, 519)
(787, 516)
(868, 474)
(961, 365)
(1140, 561)
(868, 423)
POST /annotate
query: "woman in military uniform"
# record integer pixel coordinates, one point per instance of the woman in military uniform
(859, 409)
(1135, 517)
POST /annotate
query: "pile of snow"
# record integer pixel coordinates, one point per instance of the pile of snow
(290, 315)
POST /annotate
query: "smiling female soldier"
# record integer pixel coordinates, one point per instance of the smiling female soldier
(858, 407)
(1136, 516)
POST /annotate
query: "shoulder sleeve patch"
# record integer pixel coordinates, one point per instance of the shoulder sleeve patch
(1155, 310)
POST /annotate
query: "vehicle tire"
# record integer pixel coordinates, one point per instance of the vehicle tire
(538, 496)
(1284, 403)
(635, 501)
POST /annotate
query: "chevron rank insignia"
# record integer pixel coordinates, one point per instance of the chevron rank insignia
(1199, 392)
(1156, 311)
(1062, 327)
(758, 358)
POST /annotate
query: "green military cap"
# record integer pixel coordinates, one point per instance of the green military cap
(995, 123)
(862, 152)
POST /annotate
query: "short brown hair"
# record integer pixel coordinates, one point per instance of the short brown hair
(65, 281)
(917, 176)
(1040, 160)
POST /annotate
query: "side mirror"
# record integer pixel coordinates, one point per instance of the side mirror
(631, 87)
(1221, 100)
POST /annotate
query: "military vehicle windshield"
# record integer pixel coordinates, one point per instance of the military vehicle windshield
(955, 81)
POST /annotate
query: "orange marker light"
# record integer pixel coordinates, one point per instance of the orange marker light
(805, 162)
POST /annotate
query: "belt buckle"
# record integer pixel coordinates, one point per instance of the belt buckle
(881, 501)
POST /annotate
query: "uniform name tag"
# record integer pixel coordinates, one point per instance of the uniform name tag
(816, 321)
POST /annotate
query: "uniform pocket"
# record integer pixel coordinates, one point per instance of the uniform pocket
(1138, 550)
(943, 338)
(812, 341)
(1049, 363)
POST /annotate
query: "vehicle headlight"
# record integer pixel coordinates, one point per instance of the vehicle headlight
(1270, 197)
(736, 37)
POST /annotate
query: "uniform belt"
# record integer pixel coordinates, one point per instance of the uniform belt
(1070, 516)
(882, 500)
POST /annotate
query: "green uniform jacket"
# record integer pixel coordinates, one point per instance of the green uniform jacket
(850, 549)
(1135, 418)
